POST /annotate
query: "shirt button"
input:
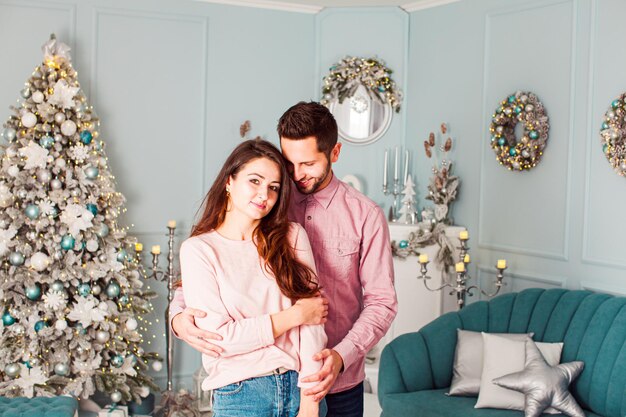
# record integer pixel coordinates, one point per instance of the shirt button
(308, 217)
(339, 251)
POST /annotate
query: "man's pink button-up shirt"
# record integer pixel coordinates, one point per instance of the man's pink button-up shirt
(350, 241)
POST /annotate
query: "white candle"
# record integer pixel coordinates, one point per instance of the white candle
(459, 267)
(423, 258)
(501, 264)
(156, 249)
(385, 169)
(406, 166)
(171, 224)
(464, 235)
(396, 167)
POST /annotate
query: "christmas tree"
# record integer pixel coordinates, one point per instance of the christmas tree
(407, 211)
(71, 282)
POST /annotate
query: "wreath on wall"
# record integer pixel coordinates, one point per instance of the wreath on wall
(346, 76)
(521, 107)
(613, 135)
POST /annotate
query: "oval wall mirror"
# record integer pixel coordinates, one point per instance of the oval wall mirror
(361, 119)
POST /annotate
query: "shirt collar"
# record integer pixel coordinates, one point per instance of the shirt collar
(323, 197)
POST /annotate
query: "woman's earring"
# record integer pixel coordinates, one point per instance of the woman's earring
(227, 191)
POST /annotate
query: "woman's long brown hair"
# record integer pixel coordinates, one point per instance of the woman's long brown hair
(294, 279)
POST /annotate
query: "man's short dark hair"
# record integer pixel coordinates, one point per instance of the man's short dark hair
(309, 119)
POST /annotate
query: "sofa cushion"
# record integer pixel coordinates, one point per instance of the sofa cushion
(435, 403)
(38, 407)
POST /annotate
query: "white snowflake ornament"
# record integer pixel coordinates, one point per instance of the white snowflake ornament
(76, 218)
(29, 378)
(63, 96)
(35, 155)
(5, 238)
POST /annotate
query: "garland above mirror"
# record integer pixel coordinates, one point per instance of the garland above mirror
(346, 76)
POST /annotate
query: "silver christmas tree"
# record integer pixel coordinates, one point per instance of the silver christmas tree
(71, 284)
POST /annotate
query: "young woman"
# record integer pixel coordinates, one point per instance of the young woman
(253, 273)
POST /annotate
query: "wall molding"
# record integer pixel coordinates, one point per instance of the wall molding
(526, 276)
(619, 291)
(563, 254)
(269, 4)
(586, 258)
(425, 4)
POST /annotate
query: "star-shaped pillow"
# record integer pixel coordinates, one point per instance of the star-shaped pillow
(543, 385)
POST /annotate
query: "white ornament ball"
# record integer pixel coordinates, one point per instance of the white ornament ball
(143, 391)
(43, 176)
(131, 324)
(92, 245)
(39, 261)
(61, 369)
(60, 163)
(68, 128)
(29, 119)
(38, 97)
(116, 397)
(60, 325)
(56, 184)
(157, 366)
(103, 306)
(13, 171)
(102, 336)
(59, 118)
(96, 290)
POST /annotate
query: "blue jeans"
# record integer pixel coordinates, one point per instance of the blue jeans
(347, 403)
(265, 396)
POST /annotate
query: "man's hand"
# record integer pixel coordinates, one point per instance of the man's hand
(327, 375)
(184, 326)
(312, 310)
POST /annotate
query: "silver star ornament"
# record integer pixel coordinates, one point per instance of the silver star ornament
(543, 385)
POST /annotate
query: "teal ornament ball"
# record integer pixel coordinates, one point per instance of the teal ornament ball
(605, 125)
(46, 141)
(117, 361)
(103, 231)
(518, 109)
(33, 292)
(57, 286)
(533, 134)
(16, 258)
(67, 242)
(80, 329)
(605, 147)
(12, 370)
(92, 208)
(84, 289)
(615, 104)
(32, 211)
(499, 110)
(123, 300)
(403, 244)
(40, 325)
(501, 141)
(86, 137)
(121, 255)
(113, 289)
(512, 151)
(61, 369)
(512, 99)
(92, 172)
(7, 319)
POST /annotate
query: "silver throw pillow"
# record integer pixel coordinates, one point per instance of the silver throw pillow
(468, 361)
(543, 385)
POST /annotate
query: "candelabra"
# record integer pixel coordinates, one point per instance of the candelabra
(459, 287)
(170, 276)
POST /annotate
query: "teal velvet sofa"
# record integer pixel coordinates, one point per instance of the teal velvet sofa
(416, 368)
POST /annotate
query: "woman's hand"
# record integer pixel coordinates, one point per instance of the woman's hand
(312, 310)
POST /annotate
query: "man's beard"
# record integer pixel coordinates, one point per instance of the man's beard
(316, 182)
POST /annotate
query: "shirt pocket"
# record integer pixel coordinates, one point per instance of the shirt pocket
(340, 258)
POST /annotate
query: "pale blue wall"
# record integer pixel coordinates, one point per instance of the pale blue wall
(173, 80)
(560, 224)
